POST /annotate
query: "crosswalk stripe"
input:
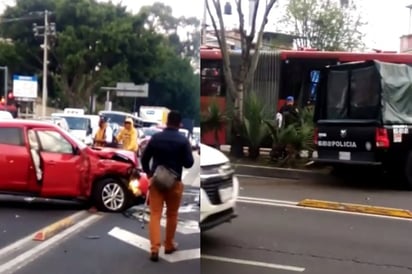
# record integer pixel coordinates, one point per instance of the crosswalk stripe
(144, 244)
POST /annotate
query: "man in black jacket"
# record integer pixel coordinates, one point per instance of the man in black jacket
(172, 150)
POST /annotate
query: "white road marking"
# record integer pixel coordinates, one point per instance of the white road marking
(184, 227)
(30, 255)
(254, 263)
(267, 200)
(144, 244)
(290, 204)
(184, 174)
(264, 177)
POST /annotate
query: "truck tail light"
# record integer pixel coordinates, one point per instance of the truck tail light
(382, 138)
(315, 136)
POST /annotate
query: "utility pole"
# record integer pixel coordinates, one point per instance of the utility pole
(49, 30)
(6, 76)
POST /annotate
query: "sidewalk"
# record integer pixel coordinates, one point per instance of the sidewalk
(263, 150)
(276, 172)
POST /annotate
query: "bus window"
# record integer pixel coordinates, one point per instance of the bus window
(212, 79)
(314, 78)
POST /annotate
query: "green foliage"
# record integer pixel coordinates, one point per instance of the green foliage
(99, 44)
(289, 141)
(255, 129)
(325, 25)
(213, 120)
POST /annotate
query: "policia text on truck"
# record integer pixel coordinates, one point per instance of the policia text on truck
(363, 117)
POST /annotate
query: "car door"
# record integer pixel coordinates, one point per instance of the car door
(61, 165)
(15, 161)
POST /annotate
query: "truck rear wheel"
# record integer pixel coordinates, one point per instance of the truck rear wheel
(408, 172)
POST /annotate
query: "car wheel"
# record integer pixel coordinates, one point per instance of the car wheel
(111, 195)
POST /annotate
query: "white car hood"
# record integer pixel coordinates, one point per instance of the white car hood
(210, 156)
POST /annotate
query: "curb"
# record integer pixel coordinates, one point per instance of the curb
(283, 173)
(56, 227)
(358, 208)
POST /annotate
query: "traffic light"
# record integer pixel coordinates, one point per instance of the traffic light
(2, 101)
(10, 95)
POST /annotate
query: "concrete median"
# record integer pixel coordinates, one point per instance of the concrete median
(55, 228)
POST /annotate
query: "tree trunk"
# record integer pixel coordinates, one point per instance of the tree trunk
(236, 142)
(217, 143)
(254, 152)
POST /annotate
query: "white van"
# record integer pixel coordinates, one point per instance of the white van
(80, 126)
(219, 188)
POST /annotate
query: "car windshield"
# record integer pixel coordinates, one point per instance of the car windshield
(77, 123)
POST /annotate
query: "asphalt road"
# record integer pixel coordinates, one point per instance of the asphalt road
(282, 239)
(330, 189)
(19, 218)
(115, 243)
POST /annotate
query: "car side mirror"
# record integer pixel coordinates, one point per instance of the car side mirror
(75, 150)
(89, 130)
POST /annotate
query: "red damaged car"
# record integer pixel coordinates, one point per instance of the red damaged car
(40, 159)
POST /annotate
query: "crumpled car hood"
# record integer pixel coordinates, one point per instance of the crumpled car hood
(108, 153)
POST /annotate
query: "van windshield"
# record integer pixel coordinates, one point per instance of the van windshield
(352, 94)
(77, 123)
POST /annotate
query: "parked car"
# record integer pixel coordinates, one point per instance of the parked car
(42, 160)
(219, 188)
(147, 133)
(196, 138)
(58, 121)
(5, 115)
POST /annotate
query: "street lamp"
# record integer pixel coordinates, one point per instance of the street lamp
(49, 30)
(228, 9)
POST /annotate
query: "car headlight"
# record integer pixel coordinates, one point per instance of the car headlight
(134, 187)
(223, 169)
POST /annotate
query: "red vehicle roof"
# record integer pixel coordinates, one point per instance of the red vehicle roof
(31, 123)
(215, 54)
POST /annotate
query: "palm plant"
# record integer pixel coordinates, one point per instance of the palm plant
(289, 141)
(255, 129)
(212, 121)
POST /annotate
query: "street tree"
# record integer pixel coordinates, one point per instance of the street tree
(160, 19)
(251, 41)
(325, 25)
(88, 53)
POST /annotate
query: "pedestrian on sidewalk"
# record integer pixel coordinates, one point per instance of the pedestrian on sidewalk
(168, 150)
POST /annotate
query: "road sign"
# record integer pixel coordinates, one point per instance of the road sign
(25, 87)
(131, 90)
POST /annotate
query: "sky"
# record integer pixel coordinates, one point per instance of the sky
(387, 19)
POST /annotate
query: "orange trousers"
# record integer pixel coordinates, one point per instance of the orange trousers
(157, 199)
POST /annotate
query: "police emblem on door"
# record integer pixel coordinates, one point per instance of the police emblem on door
(343, 133)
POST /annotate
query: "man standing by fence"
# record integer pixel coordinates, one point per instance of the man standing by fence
(170, 151)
